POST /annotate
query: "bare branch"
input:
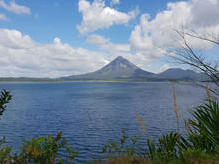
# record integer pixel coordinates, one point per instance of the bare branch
(189, 56)
(203, 38)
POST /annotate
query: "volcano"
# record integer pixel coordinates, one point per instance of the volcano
(119, 69)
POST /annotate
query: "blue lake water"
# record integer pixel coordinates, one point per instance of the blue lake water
(90, 114)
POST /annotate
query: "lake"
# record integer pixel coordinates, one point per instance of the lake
(90, 114)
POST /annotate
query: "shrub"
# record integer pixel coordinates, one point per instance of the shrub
(5, 152)
(4, 99)
(115, 149)
(203, 129)
(166, 149)
(40, 150)
(202, 140)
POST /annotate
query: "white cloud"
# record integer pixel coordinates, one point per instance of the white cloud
(21, 56)
(15, 8)
(205, 13)
(151, 39)
(157, 34)
(3, 17)
(124, 50)
(164, 67)
(98, 16)
(114, 2)
(106, 44)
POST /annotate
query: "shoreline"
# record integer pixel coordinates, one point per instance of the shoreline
(103, 81)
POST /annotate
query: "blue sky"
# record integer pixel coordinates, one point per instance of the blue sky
(50, 19)
(55, 38)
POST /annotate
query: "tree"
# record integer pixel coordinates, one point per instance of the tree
(188, 55)
(4, 99)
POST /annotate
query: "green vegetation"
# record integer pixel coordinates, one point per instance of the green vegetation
(115, 149)
(200, 145)
(4, 99)
(41, 150)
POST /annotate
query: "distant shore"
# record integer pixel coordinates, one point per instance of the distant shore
(91, 81)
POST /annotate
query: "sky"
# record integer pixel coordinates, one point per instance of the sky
(54, 38)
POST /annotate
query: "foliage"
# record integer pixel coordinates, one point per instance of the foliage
(5, 152)
(166, 148)
(198, 156)
(203, 129)
(40, 150)
(115, 149)
(4, 99)
(46, 150)
(202, 141)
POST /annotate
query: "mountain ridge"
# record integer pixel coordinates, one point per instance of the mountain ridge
(122, 69)
(119, 68)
